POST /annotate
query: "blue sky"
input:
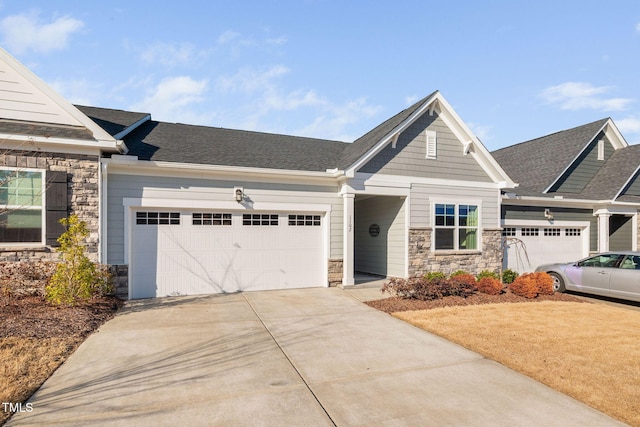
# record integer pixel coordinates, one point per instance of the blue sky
(513, 70)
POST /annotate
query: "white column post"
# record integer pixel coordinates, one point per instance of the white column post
(603, 232)
(348, 239)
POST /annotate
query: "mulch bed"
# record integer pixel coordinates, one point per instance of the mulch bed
(393, 304)
(32, 317)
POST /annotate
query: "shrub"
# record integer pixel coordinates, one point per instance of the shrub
(487, 273)
(76, 278)
(532, 284)
(508, 276)
(466, 278)
(434, 275)
(423, 289)
(458, 273)
(489, 285)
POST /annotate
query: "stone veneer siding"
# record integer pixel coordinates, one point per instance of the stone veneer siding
(82, 197)
(335, 272)
(422, 260)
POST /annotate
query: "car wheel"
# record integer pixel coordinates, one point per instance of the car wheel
(558, 283)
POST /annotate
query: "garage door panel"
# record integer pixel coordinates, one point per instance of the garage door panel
(543, 245)
(194, 258)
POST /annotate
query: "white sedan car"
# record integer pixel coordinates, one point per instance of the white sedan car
(610, 274)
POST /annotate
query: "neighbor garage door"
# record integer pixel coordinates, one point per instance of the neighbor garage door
(543, 245)
(199, 252)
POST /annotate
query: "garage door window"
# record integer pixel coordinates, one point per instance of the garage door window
(158, 218)
(259, 219)
(572, 232)
(552, 232)
(530, 231)
(304, 220)
(211, 219)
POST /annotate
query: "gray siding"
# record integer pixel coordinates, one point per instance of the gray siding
(422, 194)
(584, 168)
(633, 189)
(620, 232)
(383, 254)
(559, 214)
(409, 156)
(135, 186)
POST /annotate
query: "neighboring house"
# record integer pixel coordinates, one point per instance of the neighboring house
(181, 209)
(578, 193)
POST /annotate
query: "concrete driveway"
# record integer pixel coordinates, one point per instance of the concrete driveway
(309, 357)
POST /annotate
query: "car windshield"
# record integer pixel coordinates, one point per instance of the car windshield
(605, 260)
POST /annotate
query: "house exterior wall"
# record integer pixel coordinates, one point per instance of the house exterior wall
(423, 260)
(82, 197)
(633, 189)
(513, 212)
(422, 196)
(408, 158)
(584, 168)
(122, 186)
(384, 253)
(620, 232)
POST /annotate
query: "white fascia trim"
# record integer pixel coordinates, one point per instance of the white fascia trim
(398, 180)
(627, 182)
(552, 201)
(479, 152)
(100, 134)
(131, 128)
(132, 166)
(615, 137)
(189, 204)
(612, 210)
(428, 105)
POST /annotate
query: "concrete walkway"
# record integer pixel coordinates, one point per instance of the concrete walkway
(310, 357)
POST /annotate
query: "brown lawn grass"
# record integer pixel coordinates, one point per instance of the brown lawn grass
(588, 351)
(27, 363)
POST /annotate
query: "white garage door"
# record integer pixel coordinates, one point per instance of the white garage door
(188, 253)
(543, 245)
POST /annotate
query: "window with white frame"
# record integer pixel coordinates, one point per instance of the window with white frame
(432, 144)
(508, 231)
(456, 226)
(21, 206)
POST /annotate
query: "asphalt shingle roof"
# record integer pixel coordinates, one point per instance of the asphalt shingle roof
(535, 164)
(12, 127)
(175, 142)
(182, 143)
(112, 121)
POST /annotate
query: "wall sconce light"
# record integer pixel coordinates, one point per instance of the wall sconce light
(548, 214)
(239, 194)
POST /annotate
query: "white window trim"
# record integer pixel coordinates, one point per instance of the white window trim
(43, 209)
(431, 144)
(457, 202)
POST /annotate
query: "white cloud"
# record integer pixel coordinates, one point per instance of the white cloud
(638, 27)
(278, 41)
(170, 54)
(582, 96)
(171, 100)
(21, 33)
(410, 100)
(483, 132)
(335, 119)
(249, 80)
(79, 91)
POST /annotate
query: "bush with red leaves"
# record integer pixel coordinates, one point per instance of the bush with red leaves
(489, 285)
(532, 284)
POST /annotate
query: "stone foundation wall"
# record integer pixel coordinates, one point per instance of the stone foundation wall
(120, 280)
(82, 196)
(422, 260)
(335, 272)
